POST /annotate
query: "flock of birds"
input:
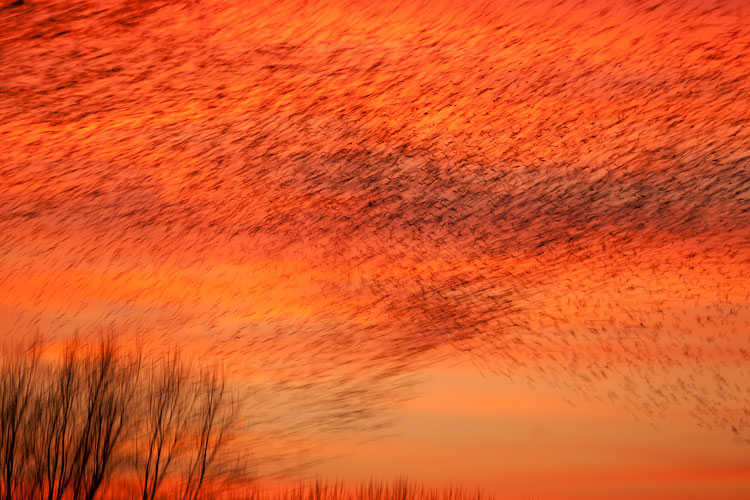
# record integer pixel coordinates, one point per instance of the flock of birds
(329, 195)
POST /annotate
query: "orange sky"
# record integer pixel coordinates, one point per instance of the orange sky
(339, 197)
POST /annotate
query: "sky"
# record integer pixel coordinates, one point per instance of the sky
(495, 243)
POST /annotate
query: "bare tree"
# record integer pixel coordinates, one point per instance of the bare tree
(109, 382)
(57, 427)
(17, 393)
(167, 414)
(83, 420)
(218, 412)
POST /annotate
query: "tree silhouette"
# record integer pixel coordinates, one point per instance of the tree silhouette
(69, 428)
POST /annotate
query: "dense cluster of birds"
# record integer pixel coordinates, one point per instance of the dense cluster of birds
(330, 195)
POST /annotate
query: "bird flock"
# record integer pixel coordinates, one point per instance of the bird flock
(331, 194)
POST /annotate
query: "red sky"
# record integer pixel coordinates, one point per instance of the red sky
(338, 197)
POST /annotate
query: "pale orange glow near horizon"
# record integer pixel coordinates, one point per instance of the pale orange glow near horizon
(494, 243)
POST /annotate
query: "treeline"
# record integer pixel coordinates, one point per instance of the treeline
(98, 416)
(400, 489)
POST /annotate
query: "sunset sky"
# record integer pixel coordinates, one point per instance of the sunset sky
(492, 243)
